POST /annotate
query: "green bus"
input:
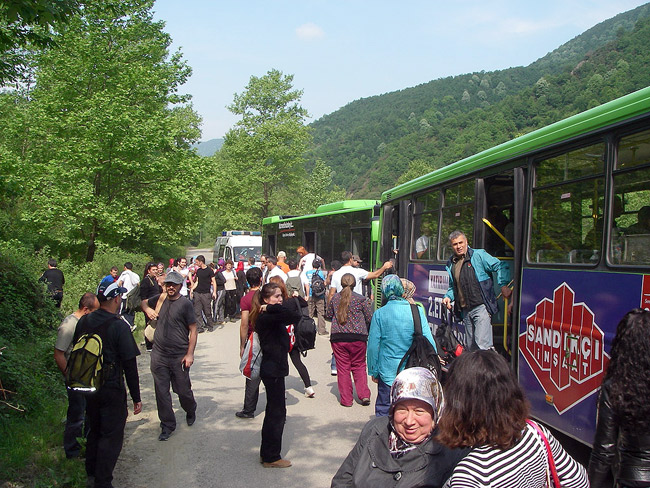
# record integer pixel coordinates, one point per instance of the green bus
(349, 225)
(566, 210)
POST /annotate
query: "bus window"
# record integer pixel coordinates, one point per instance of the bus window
(457, 214)
(630, 236)
(567, 219)
(425, 226)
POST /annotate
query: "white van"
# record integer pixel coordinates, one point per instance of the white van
(238, 245)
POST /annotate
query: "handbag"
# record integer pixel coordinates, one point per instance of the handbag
(305, 331)
(421, 353)
(552, 471)
(251, 359)
(150, 329)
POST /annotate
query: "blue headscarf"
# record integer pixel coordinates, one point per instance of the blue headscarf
(392, 287)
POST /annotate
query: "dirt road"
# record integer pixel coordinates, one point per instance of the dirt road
(221, 450)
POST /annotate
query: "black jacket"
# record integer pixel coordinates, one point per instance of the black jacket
(271, 327)
(371, 465)
(619, 454)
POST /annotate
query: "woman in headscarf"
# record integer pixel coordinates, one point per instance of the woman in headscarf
(391, 335)
(401, 450)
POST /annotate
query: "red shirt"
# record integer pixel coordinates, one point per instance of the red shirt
(246, 304)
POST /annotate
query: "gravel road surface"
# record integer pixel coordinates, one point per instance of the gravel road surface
(221, 450)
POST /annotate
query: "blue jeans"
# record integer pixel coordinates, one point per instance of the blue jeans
(478, 327)
(382, 404)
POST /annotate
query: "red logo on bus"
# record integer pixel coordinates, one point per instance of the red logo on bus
(645, 292)
(564, 347)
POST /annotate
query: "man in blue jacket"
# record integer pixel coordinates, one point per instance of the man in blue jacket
(472, 291)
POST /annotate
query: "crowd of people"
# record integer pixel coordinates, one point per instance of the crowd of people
(474, 431)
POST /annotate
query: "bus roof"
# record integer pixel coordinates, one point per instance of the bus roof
(632, 105)
(343, 206)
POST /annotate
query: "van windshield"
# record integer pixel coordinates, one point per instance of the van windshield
(243, 253)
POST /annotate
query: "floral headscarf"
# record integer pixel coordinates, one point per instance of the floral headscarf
(409, 290)
(419, 384)
(391, 286)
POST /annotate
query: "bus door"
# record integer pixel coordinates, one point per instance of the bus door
(500, 213)
(309, 241)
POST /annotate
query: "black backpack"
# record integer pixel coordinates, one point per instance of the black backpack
(86, 370)
(304, 331)
(133, 302)
(318, 287)
(421, 353)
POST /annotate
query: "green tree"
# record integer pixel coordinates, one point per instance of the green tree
(27, 24)
(109, 137)
(265, 149)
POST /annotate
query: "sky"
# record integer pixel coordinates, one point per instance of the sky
(339, 51)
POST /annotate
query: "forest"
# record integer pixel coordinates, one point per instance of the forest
(371, 143)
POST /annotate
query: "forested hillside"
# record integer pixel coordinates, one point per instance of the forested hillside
(371, 142)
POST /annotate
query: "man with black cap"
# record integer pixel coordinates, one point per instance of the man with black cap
(106, 409)
(173, 351)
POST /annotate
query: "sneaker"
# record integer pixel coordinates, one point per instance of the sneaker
(244, 415)
(201, 329)
(190, 418)
(280, 463)
(164, 435)
(309, 392)
(365, 402)
(333, 370)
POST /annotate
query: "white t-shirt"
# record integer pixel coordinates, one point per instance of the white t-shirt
(359, 273)
(184, 272)
(306, 262)
(277, 271)
(129, 280)
(230, 284)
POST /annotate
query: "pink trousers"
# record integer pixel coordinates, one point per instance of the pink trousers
(351, 359)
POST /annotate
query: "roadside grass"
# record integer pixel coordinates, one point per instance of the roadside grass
(31, 449)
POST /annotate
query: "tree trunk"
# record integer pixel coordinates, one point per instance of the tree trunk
(90, 253)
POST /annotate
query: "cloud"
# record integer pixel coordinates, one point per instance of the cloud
(309, 32)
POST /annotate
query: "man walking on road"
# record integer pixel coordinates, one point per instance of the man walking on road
(251, 394)
(106, 409)
(173, 352)
(76, 414)
(129, 280)
(203, 280)
(316, 302)
(472, 290)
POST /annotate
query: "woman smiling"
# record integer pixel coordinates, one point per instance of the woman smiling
(399, 450)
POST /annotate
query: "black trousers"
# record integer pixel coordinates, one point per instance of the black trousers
(300, 367)
(168, 370)
(274, 418)
(74, 423)
(106, 413)
(251, 395)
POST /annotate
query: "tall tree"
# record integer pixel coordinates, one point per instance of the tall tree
(109, 136)
(265, 149)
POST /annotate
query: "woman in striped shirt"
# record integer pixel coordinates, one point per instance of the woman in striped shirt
(486, 410)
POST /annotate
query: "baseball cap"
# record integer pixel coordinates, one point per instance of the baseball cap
(108, 291)
(174, 277)
(355, 257)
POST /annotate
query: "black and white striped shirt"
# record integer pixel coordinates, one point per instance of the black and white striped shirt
(525, 465)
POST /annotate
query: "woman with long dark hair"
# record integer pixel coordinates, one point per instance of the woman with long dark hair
(486, 410)
(350, 314)
(621, 451)
(271, 319)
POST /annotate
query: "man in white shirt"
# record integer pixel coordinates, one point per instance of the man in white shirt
(183, 270)
(359, 273)
(129, 280)
(306, 259)
(272, 269)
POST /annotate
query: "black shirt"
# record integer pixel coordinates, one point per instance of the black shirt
(173, 327)
(271, 326)
(118, 348)
(204, 275)
(54, 279)
(149, 287)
